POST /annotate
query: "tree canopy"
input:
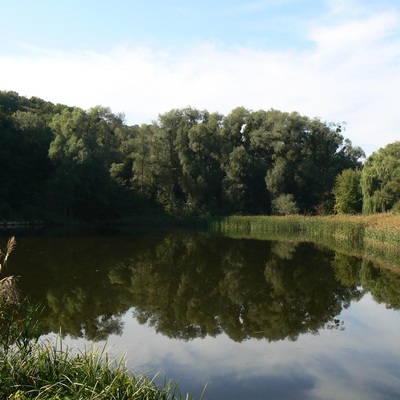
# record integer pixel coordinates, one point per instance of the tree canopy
(65, 162)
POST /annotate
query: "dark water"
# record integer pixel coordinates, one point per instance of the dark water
(252, 319)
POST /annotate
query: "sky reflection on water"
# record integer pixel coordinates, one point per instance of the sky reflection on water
(362, 361)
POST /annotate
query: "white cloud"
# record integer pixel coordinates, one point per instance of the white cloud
(351, 73)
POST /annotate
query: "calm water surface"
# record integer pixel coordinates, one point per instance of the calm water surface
(252, 319)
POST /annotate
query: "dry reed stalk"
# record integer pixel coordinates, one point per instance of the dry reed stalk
(10, 247)
(8, 287)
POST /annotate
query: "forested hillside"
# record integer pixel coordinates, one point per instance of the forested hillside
(61, 162)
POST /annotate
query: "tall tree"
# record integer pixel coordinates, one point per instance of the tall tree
(235, 160)
(199, 154)
(307, 156)
(142, 166)
(83, 150)
(171, 152)
(380, 179)
(347, 192)
(24, 167)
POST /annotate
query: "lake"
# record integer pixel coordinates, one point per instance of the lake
(252, 319)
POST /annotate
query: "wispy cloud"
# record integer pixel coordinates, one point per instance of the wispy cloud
(350, 73)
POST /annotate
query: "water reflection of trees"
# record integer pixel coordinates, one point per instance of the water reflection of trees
(383, 284)
(70, 278)
(193, 285)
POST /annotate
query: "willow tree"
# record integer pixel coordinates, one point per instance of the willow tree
(380, 179)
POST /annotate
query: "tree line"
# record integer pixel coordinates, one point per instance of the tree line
(61, 162)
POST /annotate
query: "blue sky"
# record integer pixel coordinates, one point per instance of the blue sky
(336, 60)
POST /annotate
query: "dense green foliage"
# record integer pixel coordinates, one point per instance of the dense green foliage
(64, 162)
(347, 192)
(381, 180)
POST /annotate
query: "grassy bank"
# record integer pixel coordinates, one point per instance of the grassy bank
(375, 236)
(31, 368)
(49, 371)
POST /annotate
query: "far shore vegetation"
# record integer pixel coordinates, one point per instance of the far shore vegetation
(375, 236)
(61, 164)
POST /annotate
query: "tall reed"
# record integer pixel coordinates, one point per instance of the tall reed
(375, 235)
(335, 227)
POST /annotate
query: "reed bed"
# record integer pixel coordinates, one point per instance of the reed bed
(383, 229)
(374, 236)
(333, 227)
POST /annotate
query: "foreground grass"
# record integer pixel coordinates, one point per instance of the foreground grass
(48, 371)
(375, 236)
